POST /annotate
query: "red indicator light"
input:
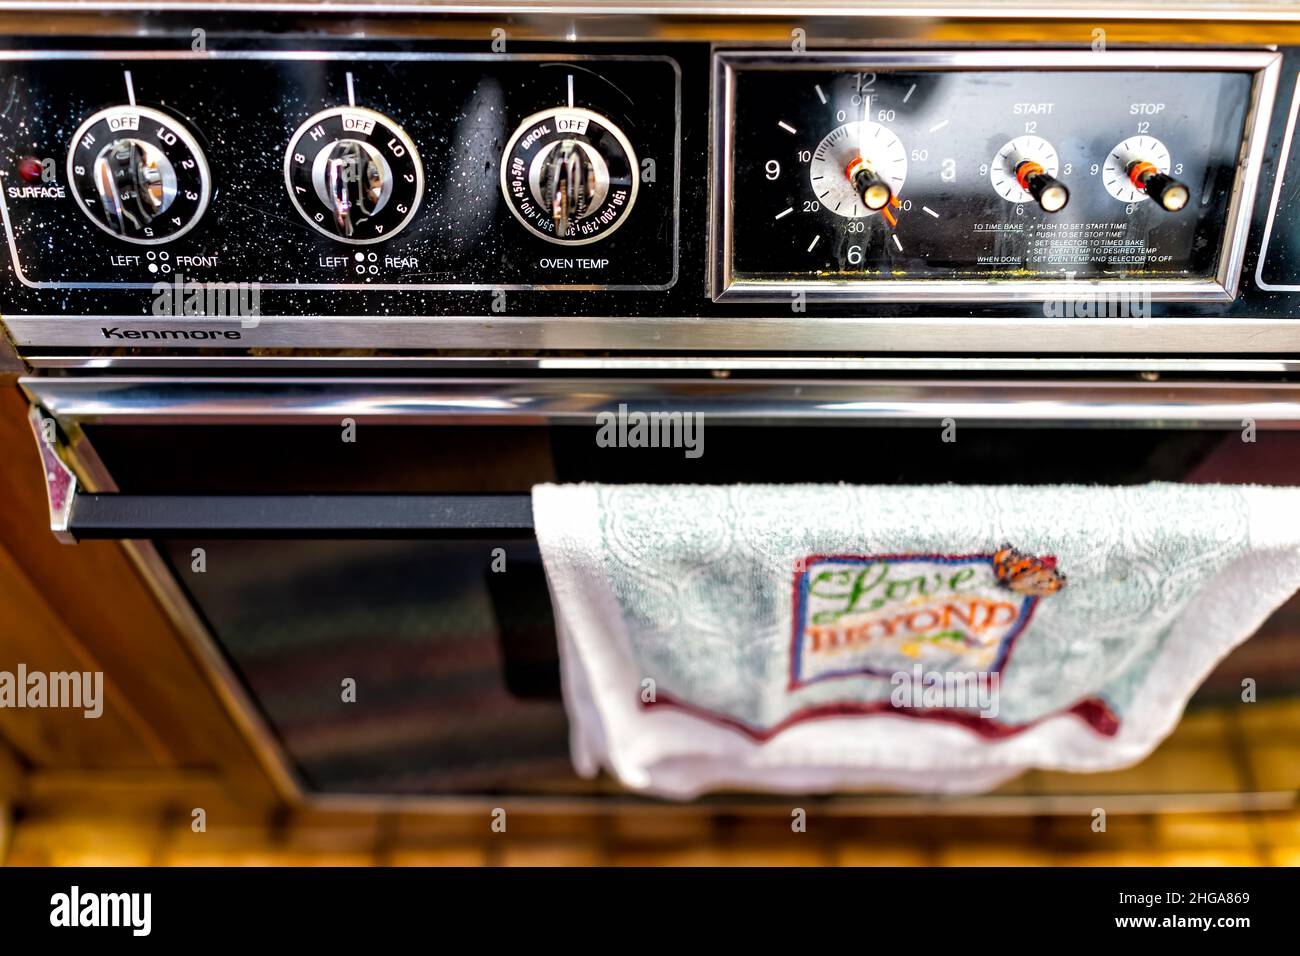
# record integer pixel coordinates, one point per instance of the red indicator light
(29, 169)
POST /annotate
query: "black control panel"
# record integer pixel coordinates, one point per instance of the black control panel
(401, 171)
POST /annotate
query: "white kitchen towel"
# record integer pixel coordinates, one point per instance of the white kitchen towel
(808, 638)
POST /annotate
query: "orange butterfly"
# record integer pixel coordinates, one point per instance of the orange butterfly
(1025, 574)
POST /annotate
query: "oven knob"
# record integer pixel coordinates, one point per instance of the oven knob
(1169, 193)
(138, 174)
(1138, 168)
(354, 175)
(569, 175)
(870, 186)
(1025, 169)
(1048, 191)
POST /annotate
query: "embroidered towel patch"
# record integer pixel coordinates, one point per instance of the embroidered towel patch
(881, 614)
(940, 628)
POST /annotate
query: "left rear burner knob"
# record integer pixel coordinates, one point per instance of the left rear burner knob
(354, 175)
(139, 174)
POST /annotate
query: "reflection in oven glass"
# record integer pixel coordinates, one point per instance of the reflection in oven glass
(456, 682)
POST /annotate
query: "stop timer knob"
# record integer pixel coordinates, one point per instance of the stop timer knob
(569, 175)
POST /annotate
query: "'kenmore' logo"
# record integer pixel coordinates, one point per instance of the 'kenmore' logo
(117, 332)
(75, 908)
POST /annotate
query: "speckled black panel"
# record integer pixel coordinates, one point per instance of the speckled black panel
(459, 111)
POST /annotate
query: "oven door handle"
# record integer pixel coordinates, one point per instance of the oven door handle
(123, 516)
(76, 515)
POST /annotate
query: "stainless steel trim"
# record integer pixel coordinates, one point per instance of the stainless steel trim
(1098, 10)
(726, 287)
(966, 290)
(720, 364)
(60, 480)
(312, 56)
(212, 400)
(336, 55)
(1283, 157)
(807, 333)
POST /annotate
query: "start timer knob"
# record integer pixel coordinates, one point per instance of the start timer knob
(569, 175)
(354, 175)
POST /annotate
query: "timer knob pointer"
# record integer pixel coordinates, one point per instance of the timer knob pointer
(869, 184)
(1169, 193)
(1048, 191)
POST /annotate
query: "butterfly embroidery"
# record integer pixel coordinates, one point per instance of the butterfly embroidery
(1026, 574)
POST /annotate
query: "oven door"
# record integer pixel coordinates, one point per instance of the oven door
(353, 559)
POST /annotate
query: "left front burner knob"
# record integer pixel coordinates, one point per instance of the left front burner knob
(139, 174)
(354, 175)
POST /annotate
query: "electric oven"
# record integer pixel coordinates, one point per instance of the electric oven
(309, 301)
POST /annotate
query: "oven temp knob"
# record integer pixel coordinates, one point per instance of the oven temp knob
(569, 175)
(354, 175)
(138, 174)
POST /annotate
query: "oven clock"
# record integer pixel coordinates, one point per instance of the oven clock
(354, 175)
(846, 174)
(138, 174)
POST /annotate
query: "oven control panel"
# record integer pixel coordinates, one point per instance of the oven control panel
(437, 197)
(406, 171)
(959, 174)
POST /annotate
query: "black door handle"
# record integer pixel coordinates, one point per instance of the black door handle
(120, 516)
